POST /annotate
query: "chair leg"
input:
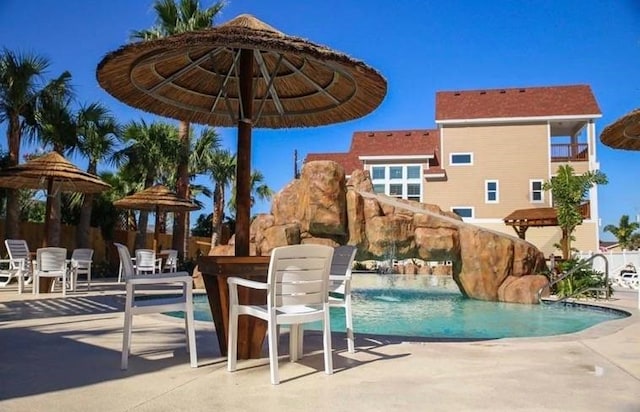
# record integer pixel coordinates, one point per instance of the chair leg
(190, 327)
(273, 351)
(232, 339)
(64, 283)
(294, 337)
(89, 278)
(126, 335)
(36, 285)
(349, 323)
(326, 327)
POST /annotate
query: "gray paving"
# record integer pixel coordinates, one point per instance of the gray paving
(62, 354)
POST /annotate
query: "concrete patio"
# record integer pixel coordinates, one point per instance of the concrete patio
(62, 354)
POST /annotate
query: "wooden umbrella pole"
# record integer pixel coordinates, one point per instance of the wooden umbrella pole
(47, 212)
(243, 166)
(156, 231)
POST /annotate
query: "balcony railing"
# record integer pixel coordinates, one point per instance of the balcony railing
(571, 152)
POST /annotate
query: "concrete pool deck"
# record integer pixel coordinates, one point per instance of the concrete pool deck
(63, 354)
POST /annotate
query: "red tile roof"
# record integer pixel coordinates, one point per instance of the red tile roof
(383, 143)
(516, 102)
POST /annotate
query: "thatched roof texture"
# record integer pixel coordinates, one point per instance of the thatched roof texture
(194, 77)
(36, 173)
(624, 133)
(155, 198)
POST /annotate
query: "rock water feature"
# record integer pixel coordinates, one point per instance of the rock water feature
(322, 208)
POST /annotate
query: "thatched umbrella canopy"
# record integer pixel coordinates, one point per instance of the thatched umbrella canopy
(54, 173)
(624, 133)
(243, 73)
(156, 199)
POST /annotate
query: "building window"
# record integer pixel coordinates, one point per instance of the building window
(377, 172)
(413, 191)
(491, 191)
(463, 211)
(459, 159)
(413, 172)
(397, 180)
(395, 190)
(395, 172)
(536, 192)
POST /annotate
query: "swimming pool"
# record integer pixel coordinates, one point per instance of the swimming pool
(431, 307)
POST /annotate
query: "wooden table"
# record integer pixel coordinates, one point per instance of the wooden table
(215, 271)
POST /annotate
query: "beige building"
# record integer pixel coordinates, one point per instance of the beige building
(488, 158)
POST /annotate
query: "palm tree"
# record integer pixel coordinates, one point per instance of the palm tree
(150, 154)
(222, 171)
(98, 133)
(624, 232)
(54, 125)
(258, 189)
(21, 80)
(174, 17)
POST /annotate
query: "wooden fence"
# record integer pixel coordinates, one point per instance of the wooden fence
(33, 233)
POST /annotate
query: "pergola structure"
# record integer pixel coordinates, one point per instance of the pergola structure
(523, 219)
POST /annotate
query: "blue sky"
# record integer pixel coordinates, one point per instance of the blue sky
(420, 46)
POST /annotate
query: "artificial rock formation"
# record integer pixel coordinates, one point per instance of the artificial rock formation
(322, 208)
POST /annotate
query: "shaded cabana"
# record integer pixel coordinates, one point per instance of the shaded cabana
(53, 173)
(157, 199)
(245, 74)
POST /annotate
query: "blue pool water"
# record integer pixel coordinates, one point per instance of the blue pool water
(445, 313)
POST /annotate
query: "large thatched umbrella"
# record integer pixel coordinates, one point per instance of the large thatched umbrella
(156, 199)
(54, 173)
(624, 133)
(243, 73)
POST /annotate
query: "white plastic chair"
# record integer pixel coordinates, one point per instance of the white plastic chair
(81, 260)
(51, 262)
(340, 287)
(171, 262)
(146, 262)
(296, 294)
(133, 306)
(20, 265)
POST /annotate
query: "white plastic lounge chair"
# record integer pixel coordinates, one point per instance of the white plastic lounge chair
(182, 302)
(81, 260)
(296, 294)
(19, 258)
(171, 262)
(146, 261)
(340, 287)
(51, 262)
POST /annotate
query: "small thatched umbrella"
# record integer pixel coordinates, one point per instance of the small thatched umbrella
(243, 73)
(54, 173)
(156, 199)
(624, 133)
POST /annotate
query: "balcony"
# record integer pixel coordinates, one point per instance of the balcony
(570, 152)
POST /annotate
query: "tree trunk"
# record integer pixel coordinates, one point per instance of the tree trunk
(12, 223)
(216, 217)
(83, 229)
(55, 223)
(566, 244)
(182, 190)
(84, 225)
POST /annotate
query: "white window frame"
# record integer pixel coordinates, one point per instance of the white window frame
(473, 211)
(470, 154)
(487, 191)
(405, 181)
(531, 190)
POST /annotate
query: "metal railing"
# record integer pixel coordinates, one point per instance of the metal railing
(580, 265)
(565, 152)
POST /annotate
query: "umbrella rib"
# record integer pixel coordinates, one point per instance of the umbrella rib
(269, 80)
(311, 81)
(182, 70)
(630, 136)
(240, 105)
(226, 79)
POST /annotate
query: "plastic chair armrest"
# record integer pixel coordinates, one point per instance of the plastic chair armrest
(246, 283)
